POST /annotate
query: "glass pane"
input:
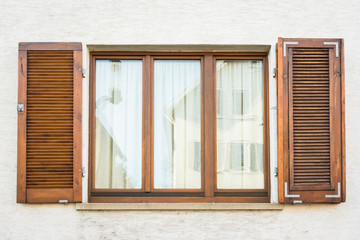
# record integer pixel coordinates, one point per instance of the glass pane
(177, 120)
(118, 127)
(240, 142)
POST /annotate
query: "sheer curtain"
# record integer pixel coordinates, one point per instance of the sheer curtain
(118, 146)
(240, 144)
(177, 124)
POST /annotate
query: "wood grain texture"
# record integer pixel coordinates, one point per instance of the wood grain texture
(210, 126)
(208, 134)
(49, 195)
(77, 126)
(49, 150)
(309, 125)
(72, 46)
(147, 121)
(310, 120)
(21, 153)
(49, 143)
(281, 134)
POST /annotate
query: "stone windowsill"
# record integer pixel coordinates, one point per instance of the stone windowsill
(178, 207)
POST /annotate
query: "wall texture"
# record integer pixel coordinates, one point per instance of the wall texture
(175, 22)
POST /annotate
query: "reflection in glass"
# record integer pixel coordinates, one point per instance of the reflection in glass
(240, 142)
(177, 124)
(118, 127)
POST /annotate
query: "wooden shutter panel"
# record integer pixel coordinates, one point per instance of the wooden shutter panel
(49, 122)
(311, 120)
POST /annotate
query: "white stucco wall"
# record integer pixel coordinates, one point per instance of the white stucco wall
(175, 22)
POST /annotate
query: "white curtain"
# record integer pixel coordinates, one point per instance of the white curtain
(118, 154)
(177, 124)
(240, 159)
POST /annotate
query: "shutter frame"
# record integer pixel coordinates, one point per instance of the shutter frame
(289, 192)
(49, 194)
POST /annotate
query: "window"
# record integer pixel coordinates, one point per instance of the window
(181, 127)
(156, 116)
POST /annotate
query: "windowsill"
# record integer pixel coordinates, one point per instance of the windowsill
(178, 207)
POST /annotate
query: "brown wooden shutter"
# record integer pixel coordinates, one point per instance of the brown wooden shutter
(49, 122)
(311, 120)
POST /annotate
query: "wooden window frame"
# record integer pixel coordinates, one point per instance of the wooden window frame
(266, 134)
(208, 191)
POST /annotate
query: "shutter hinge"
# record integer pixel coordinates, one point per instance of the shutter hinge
(274, 108)
(274, 72)
(64, 201)
(20, 108)
(338, 194)
(336, 47)
(83, 72)
(297, 202)
(276, 172)
(289, 195)
(288, 43)
(83, 170)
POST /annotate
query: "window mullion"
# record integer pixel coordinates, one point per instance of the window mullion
(147, 124)
(209, 120)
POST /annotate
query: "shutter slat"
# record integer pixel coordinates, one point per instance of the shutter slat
(55, 69)
(52, 149)
(310, 120)
(303, 81)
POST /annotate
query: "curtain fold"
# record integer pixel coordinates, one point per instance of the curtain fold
(118, 124)
(240, 139)
(177, 124)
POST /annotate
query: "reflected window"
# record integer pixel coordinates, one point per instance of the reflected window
(176, 91)
(118, 124)
(240, 123)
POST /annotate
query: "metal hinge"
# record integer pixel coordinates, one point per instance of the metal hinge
(83, 170)
(20, 108)
(297, 202)
(276, 172)
(336, 47)
(288, 43)
(274, 108)
(338, 194)
(64, 201)
(274, 72)
(83, 71)
(289, 195)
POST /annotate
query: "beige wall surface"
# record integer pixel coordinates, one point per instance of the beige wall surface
(176, 22)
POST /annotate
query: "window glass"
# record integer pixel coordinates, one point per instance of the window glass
(177, 124)
(240, 126)
(118, 124)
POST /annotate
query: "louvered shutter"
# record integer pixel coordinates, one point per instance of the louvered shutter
(49, 122)
(311, 120)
